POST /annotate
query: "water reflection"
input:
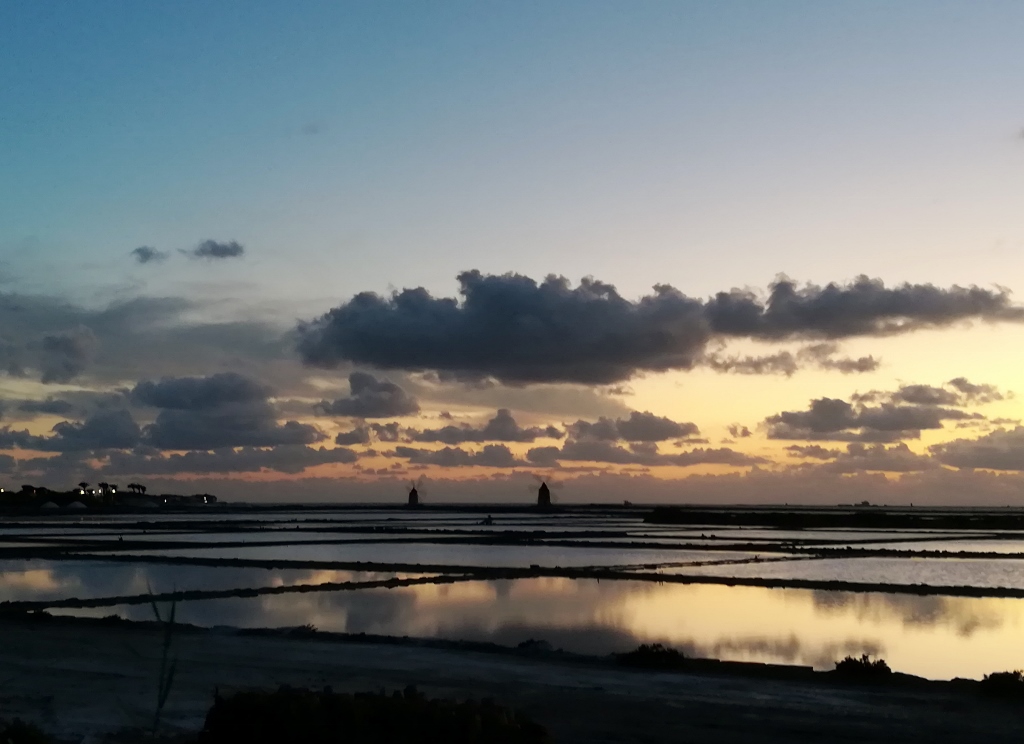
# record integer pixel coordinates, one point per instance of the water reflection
(37, 580)
(963, 615)
(978, 572)
(929, 636)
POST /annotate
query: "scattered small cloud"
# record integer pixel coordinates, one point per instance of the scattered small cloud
(820, 356)
(501, 428)
(739, 432)
(144, 254)
(212, 249)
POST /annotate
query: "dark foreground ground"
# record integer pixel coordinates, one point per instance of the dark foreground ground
(83, 679)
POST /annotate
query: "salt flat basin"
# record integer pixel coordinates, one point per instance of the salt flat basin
(256, 536)
(1007, 546)
(978, 572)
(496, 556)
(933, 636)
(741, 534)
(43, 580)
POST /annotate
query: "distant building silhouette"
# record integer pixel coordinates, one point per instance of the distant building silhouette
(543, 496)
(414, 497)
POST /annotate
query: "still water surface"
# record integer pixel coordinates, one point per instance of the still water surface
(935, 637)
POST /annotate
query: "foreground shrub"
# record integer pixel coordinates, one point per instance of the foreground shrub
(1003, 684)
(19, 732)
(862, 668)
(652, 656)
(295, 715)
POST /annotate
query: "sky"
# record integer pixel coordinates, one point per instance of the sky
(735, 252)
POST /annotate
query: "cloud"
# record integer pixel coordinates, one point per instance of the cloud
(981, 393)
(105, 429)
(958, 393)
(645, 453)
(198, 393)
(556, 400)
(501, 428)
(222, 410)
(999, 450)
(781, 363)
(739, 432)
(144, 255)
(513, 329)
(831, 419)
(591, 450)
(366, 433)
(927, 395)
(50, 406)
(860, 457)
(288, 458)
(371, 398)
(715, 456)
(865, 307)
(358, 435)
(211, 249)
(76, 404)
(519, 331)
(491, 456)
(813, 452)
(65, 355)
(598, 442)
(639, 427)
(12, 360)
(821, 356)
(140, 338)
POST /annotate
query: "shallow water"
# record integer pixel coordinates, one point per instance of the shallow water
(952, 546)
(935, 637)
(41, 580)
(497, 556)
(978, 572)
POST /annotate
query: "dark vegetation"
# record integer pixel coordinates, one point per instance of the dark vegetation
(326, 717)
(1004, 685)
(653, 656)
(19, 732)
(862, 669)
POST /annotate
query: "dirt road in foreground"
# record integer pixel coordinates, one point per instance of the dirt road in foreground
(86, 679)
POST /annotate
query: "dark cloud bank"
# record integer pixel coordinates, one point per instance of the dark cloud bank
(508, 328)
(519, 331)
(224, 410)
(55, 341)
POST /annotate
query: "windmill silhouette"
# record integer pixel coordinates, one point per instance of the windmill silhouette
(414, 492)
(546, 496)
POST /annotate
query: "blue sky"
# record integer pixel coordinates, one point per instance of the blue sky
(372, 146)
(538, 137)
